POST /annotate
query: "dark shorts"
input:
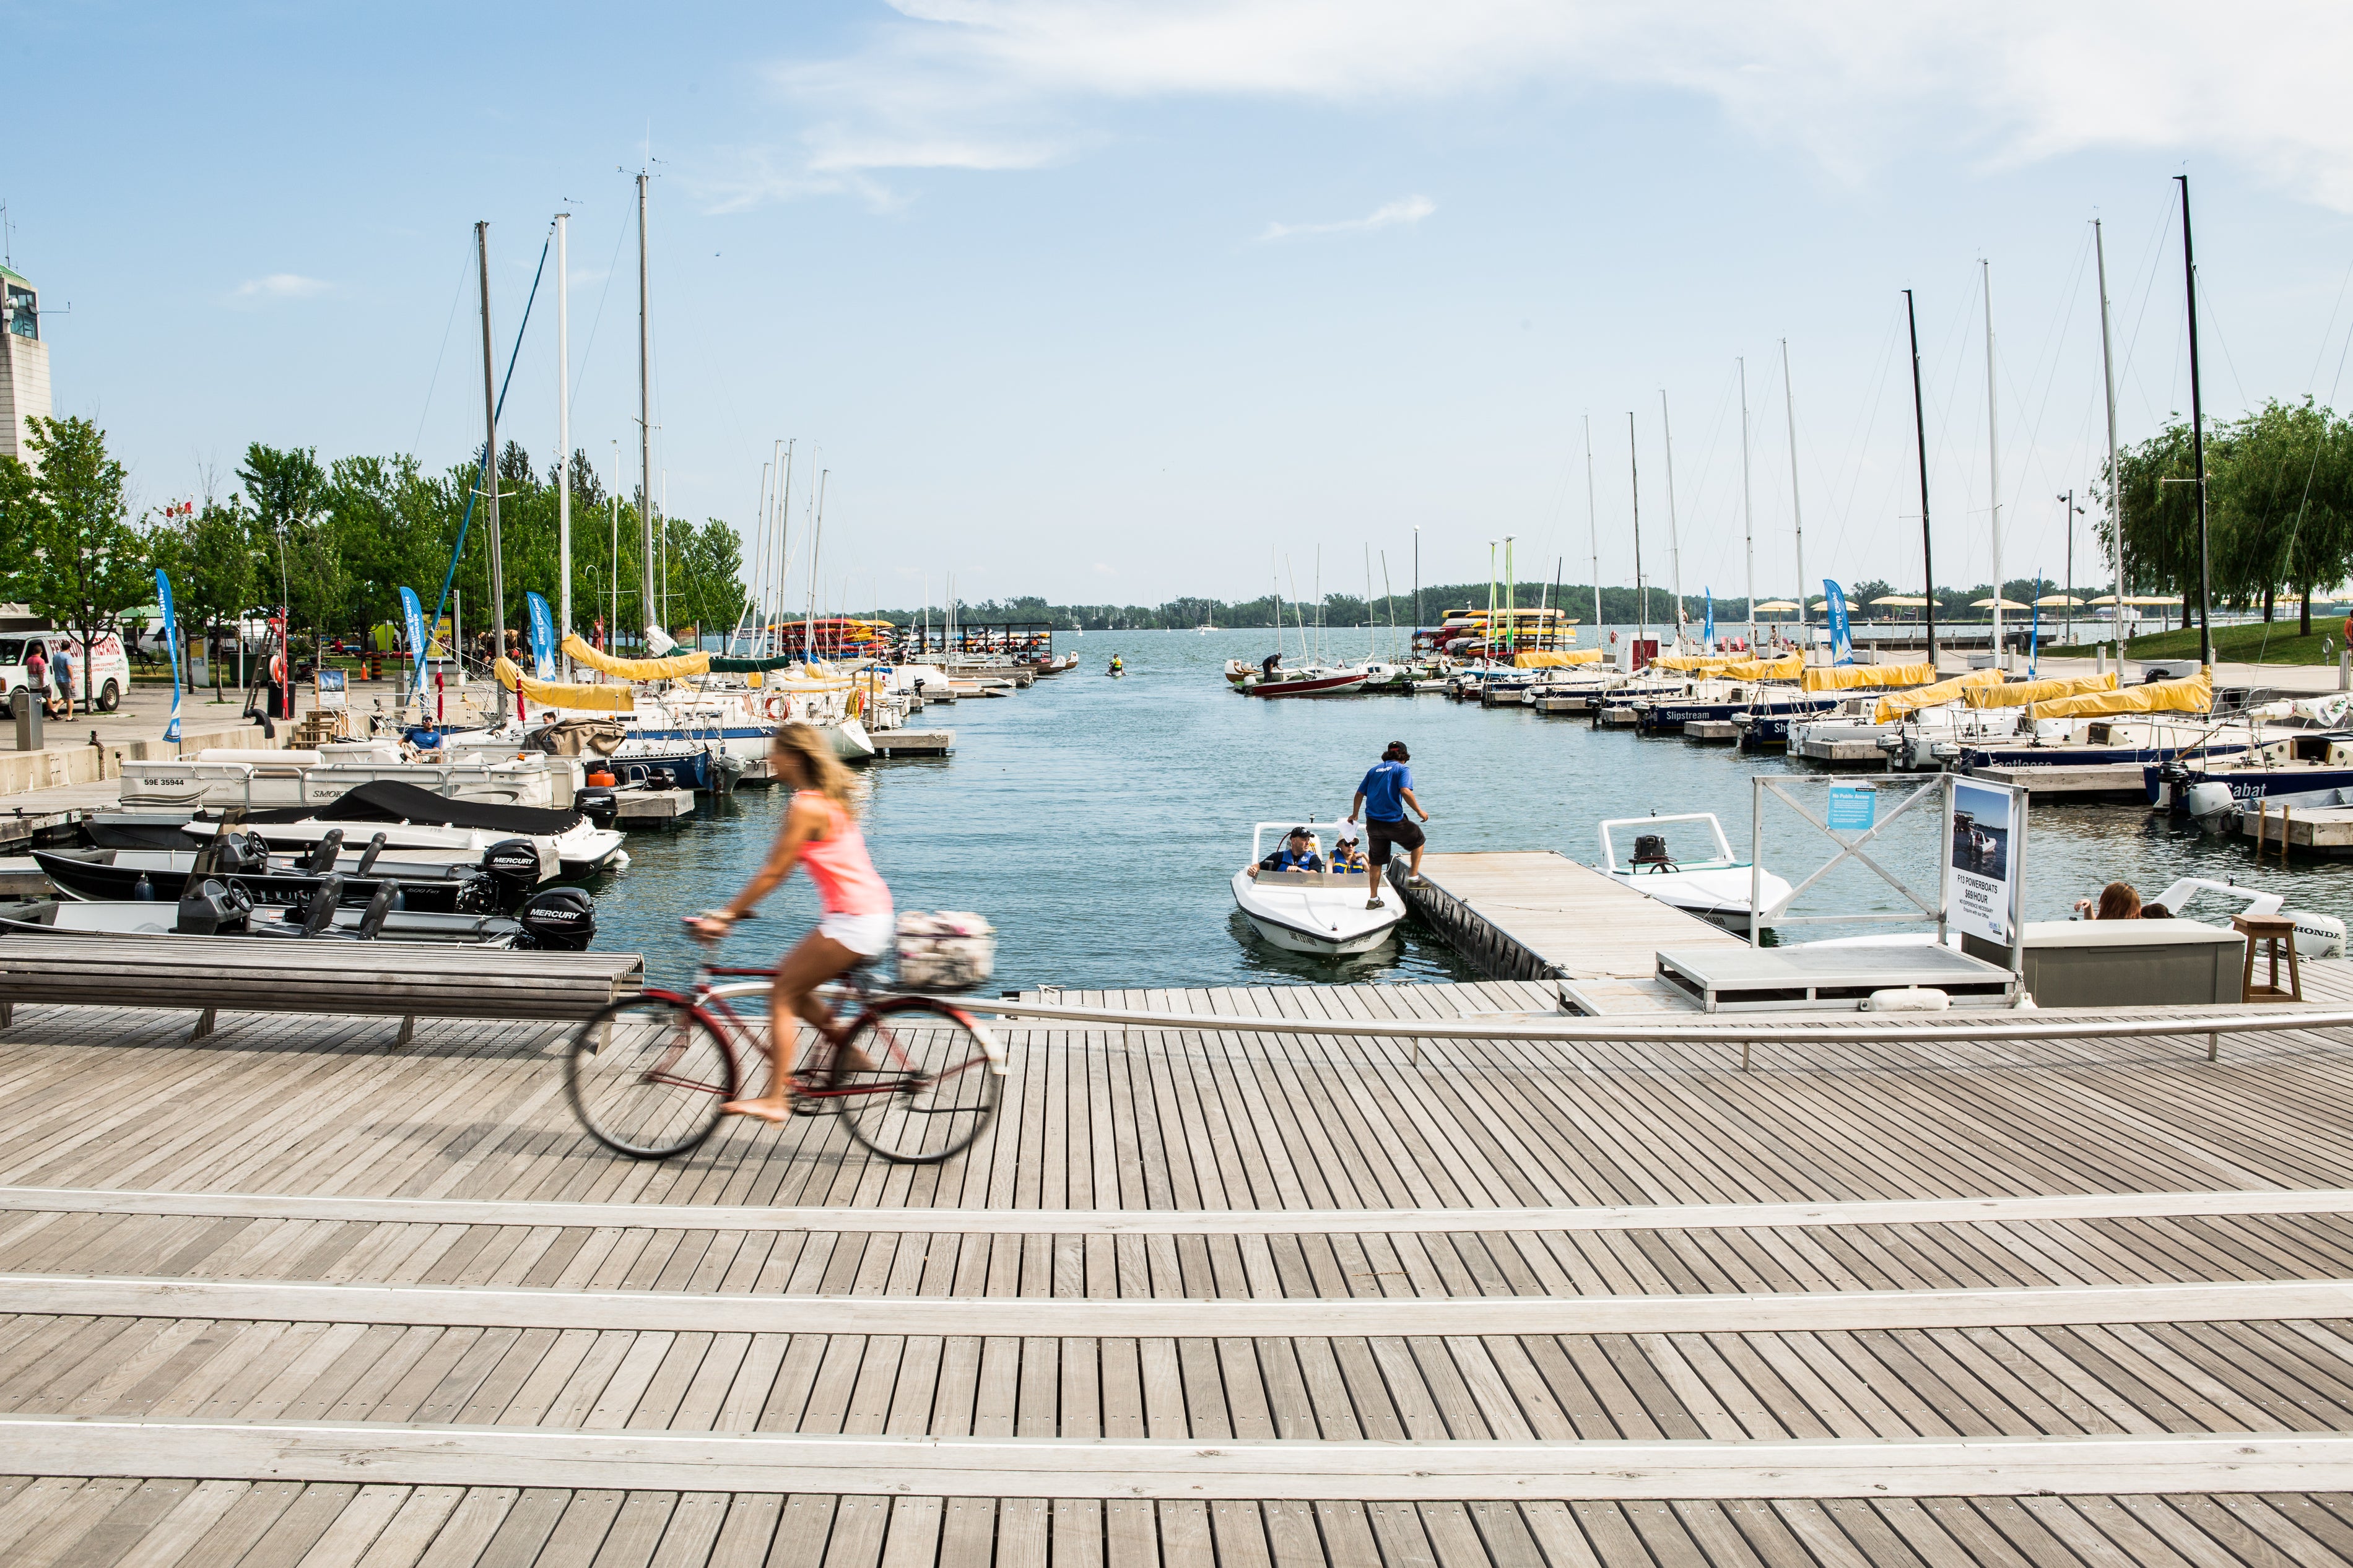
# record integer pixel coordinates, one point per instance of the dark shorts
(1381, 835)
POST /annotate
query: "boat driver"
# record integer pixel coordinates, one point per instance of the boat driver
(1297, 854)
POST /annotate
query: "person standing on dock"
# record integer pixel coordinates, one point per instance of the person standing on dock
(1381, 800)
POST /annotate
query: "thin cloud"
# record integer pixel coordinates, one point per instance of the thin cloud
(282, 286)
(1856, 84)
(1412, 210)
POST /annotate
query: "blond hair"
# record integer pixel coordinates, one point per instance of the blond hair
(820, 768)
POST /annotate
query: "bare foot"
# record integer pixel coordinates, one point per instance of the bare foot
(774, 1108)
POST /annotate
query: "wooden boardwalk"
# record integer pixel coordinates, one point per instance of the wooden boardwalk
(288, 1296)
(1536, 914)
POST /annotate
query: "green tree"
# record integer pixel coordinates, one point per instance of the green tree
(290, 495)
(210, 555)
(77, 558)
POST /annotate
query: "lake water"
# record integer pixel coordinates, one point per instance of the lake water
(1098, 823)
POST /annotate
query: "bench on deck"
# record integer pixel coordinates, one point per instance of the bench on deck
(407, 981)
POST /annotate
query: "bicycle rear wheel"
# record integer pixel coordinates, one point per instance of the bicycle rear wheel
(932, 1088)
(646, 1076)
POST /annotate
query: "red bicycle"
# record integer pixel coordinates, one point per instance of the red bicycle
(648, 1075)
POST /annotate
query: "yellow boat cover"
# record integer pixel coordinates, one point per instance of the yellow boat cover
(677, 667)
(1847, 676)
(1897, 705)
(1785, 668)
(1561, 659)
(2194, 695)
(2018, 693)
(548, 693)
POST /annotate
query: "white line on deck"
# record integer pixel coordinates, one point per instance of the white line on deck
(308, 1301)
(1180, 1222)
(402, 1455)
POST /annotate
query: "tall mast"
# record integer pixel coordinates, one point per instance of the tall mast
(563, 431)
(1641, 589)
(490, 448)
(2197, 442)
(645, 417)
(1747, 509)
(1797, 516)
(1993, 463)
(1920, 433)
(1592, 527)
(784, 554)
(1674, 539)
(817, 538)
(2115, 505)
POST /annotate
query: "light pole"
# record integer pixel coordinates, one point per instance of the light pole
(2069, 512)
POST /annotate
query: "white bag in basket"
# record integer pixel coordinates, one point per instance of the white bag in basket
(949, 951)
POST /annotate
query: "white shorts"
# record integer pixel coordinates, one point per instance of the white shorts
(865, 935)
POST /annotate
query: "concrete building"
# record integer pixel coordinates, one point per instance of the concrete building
(24, 363)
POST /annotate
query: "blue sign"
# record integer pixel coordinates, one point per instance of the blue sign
(542, 636)
(1842, 640)
(172, 647)
(1708, 629)
(413, 615)
(1852, 808)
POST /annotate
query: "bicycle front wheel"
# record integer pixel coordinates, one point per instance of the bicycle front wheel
(646, 1076)
(929, 1089)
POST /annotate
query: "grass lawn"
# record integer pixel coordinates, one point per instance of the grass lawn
(2274, 643)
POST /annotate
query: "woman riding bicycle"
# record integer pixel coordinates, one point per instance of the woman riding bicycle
(820, 832)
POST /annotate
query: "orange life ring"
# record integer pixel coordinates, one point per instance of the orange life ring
(778, 709)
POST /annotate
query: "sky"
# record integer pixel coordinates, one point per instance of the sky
(1116, 301)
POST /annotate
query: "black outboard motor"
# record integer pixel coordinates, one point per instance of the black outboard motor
(476, 894)
(513, 864)
(601, 806)
(325, 853)
(319, 913)
(210, 908)
(559, 920)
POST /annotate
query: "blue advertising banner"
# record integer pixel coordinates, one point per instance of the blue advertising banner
(1707, 631)
(412, 615)
(1842, 640)
(172, 647)
(542, 636)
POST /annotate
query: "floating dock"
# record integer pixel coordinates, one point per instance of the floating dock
(652, 807)
(912, 742)
(2100, 780)
(1714, 731)
(1539, 915)
(292, 1295)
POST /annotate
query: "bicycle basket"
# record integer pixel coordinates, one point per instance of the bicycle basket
(952, 950)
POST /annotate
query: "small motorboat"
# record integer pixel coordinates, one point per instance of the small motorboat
(1316, 680)
(502, 879)
(1318, 912)
(558, 920)
(1715, 887)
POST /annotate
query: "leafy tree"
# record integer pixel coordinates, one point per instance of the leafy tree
(77, 559)
(209, 554)
(290, 495)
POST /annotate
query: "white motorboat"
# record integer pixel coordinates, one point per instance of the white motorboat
(1715, 887)
(1318, 912)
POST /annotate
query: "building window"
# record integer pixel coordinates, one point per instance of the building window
(24, 311)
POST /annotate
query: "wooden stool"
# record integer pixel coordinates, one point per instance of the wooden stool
(2273, 932)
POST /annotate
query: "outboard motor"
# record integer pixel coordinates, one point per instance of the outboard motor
(319, 913)
(209, 909)
(725, 770)
(2211, 806)
(322, 858)
(559, 920)
(601, 806)
(512, 866)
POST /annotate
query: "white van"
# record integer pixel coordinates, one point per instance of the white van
(109, 672)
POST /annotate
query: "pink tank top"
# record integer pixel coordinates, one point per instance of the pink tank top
(846, 883)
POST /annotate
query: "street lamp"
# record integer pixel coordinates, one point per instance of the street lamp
(2068, 513)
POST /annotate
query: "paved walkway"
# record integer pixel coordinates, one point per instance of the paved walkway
(289, 1295)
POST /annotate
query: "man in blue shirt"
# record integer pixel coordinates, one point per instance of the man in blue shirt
(1297, 854)
(1382, 800)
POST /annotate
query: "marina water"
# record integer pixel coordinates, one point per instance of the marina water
(1098, 823)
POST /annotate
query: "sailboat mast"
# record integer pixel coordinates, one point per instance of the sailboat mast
(1797, 513)
(2197, 442)
(645, 415)
(1592, 526)
(490, 448)
(1674, 539)
(563, 432)
(1747, 509)
(775, 638)
(817, 541)
(1641, 589)
(2115, 505)
(1920, 435)
(1993, 462)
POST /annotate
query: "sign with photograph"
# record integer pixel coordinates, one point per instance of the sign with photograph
(1981, 867)
(330, 691)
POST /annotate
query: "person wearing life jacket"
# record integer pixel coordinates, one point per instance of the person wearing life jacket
(1297, 854)
(1117, 665)
(1346, 857)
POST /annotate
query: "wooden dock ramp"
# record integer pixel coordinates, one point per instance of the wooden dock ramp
(1538, 915)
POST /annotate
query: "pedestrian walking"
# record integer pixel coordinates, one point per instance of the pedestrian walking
(63, 666)
(1382, 800)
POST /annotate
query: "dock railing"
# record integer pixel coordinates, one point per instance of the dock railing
(1911, 1028)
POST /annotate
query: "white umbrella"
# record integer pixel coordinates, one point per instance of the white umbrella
(2006, 604)
(2048, 600)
